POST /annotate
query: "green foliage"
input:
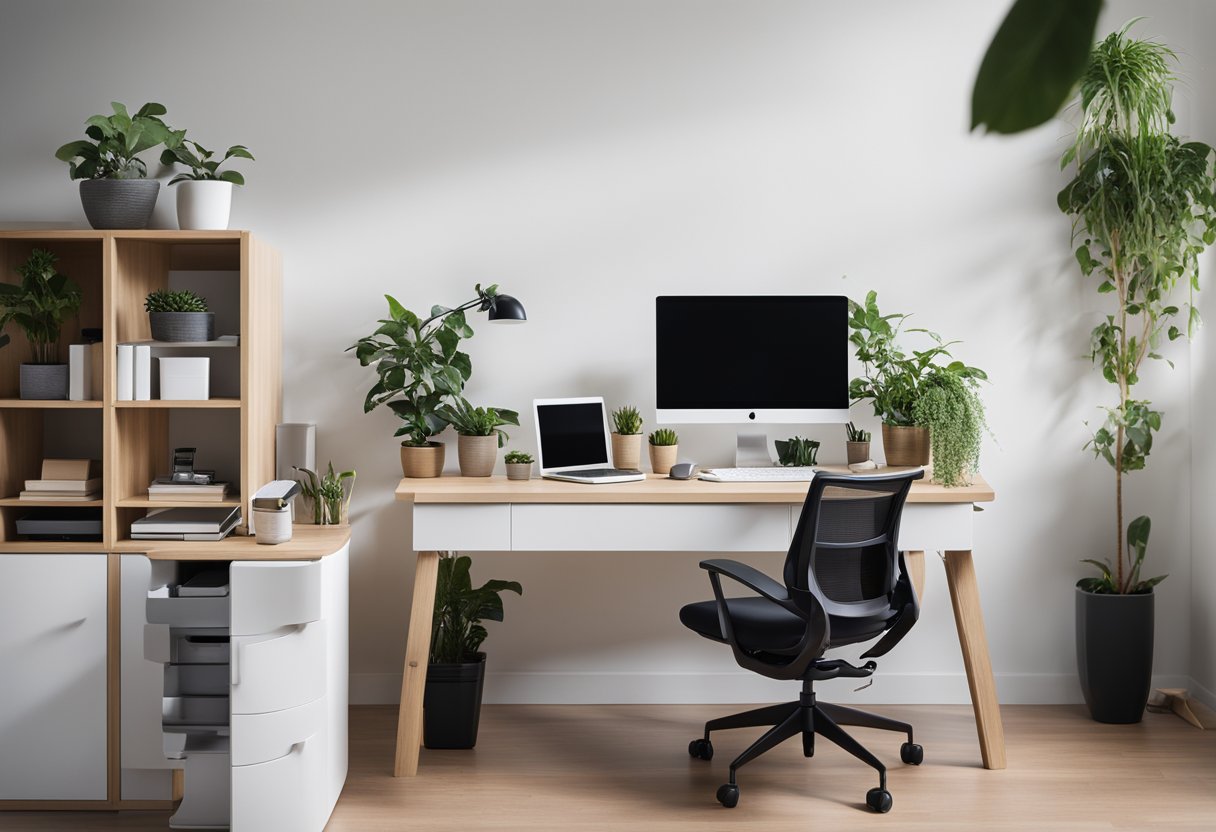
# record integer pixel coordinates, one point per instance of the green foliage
(664, 436)
(627, 420)
(796, 451)
(1108, 583)
(203, 167)
(893, 378)
(518, 458)
(477, 421)
(1142, 202)
(39, 304)
(163, 300)
(949, 407)
(116, 142)
(1032, 64)
(329, 493)
(456, 630)
(856, 434)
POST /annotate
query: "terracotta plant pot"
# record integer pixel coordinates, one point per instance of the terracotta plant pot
(627, 451)
(477, 455)
(905, 446)
(519, 470)
(422, 461)
(857, 451)
(662, 457)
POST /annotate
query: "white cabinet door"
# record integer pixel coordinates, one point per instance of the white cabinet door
(53, 677)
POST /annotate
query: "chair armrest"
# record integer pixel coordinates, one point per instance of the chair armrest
(750, 577)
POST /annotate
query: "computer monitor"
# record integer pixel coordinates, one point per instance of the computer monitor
(752, 360)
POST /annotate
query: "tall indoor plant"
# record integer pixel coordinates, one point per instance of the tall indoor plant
(39, 305)
(1143, 209)
(456, 672)
(922, 402)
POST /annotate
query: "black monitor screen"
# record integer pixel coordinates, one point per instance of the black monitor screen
(757, 352)
(572, 434)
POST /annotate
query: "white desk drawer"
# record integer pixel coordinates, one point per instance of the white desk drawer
(471, 528)
(261, 738)
(935, 527)
(279, 670)
(267, 595)
(285, 794)
(650, 528)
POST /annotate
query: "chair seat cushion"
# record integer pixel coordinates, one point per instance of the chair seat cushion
(762, 625)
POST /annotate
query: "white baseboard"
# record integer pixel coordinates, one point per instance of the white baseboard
(741, 687)
(1201, 693)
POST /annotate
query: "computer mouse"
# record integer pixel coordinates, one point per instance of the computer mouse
(683, 470)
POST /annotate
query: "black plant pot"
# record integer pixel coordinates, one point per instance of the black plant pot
(451, 706)
(1115, 654)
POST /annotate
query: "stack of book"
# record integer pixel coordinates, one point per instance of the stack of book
(65, 480)
(170, 491)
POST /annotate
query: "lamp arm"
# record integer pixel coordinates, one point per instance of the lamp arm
(482, 300)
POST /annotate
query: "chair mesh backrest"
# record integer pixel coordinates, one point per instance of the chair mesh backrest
(844, 547)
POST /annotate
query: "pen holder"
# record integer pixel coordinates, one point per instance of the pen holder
(272, 526)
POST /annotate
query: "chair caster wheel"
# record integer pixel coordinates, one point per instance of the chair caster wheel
(912, 754)
(701, 749)
(879, 800)
(728, 795)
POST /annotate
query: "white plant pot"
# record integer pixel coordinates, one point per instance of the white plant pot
(203, 205)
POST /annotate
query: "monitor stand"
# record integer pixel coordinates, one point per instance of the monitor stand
(751, 449)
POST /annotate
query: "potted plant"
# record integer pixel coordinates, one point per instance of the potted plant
(204, 195)
(664, 446)
(456, 672)
(627, 439)
(894, 382)
(1142, 204)
(179, 316)
(857, 446)
(796, 451)
(328, 495)
(114, 189)
(39, 305)
(519, 465)
(480, 434)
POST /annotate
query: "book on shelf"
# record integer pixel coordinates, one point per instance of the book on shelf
(64, 486)
(61, 496)
(70, 469)
(80, 372)
(169, 490)
(125, 373)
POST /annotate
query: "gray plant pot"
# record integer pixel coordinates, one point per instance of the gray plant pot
(44, 381)
(118, 203)
(182, 326)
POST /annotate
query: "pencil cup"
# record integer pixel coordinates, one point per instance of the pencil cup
(272, 526)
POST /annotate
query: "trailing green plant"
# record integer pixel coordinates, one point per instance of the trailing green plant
(115, 142)
(330, 493)
(949, 406)
(893, 378)
(163, 300)
(1143, 208)
(203, 166)
(627, 421)
(856, 434)
(664, 436)
(418, 364)
(39, 305)
(518, 458)
(456, 629)
(478, 421)
(796, 451)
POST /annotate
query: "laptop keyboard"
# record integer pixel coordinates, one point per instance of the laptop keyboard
(599, 472)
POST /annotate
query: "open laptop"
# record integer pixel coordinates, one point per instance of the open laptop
(572, 435)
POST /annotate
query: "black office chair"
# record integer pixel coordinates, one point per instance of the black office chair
(845, 583)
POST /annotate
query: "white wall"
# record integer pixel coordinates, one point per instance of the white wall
(588, 156)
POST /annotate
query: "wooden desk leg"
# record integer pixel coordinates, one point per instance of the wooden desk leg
(915, 561)
(413, 679)
(965, 595)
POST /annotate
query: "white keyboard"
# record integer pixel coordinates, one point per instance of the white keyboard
(775, 474)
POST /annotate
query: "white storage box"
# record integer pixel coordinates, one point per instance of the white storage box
(185, 379)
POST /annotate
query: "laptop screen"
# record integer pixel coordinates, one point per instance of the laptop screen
(571, 434)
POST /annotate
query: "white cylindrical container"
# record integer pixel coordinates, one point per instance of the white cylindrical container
(203, 205)
(272, 526)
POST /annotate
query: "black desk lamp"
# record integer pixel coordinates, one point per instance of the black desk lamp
(503, 309)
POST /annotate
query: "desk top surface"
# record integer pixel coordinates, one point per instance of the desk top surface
(499, 489)
(307, 543)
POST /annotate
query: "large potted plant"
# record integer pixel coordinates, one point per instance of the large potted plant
(204, 192)
(1142, 206)
(456, 672)
(39, 305)
(923, 403)
(179, 316)
(114, 189)
(480, 434)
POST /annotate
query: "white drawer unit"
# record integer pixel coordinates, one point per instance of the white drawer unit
(278, 670)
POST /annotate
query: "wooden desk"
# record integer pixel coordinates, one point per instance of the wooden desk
(493, 514)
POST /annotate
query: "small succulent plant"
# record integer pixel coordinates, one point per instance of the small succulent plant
(856, 434)
(518, 458)
(163, 300)
(664, 436)
(627, 421)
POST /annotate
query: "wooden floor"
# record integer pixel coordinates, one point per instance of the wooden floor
(621, 767)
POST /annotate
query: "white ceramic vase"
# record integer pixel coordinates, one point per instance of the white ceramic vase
(203, 205)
